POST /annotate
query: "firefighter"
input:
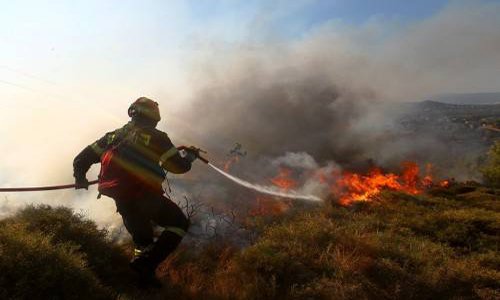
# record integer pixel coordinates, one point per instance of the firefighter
(133, 163)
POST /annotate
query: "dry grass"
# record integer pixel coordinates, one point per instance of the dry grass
(438, 246)
(398, 247)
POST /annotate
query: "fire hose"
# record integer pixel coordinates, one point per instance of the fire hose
(42, 188)
(269, 190)
(195, 150)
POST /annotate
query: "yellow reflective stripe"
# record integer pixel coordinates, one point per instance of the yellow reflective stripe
(168, 154)
(97, 149)
(111, 137)
(179, 231)
(137, 252)
(146, 138)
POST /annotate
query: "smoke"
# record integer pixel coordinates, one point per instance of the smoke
(326, 101)
(297, 160)
(335, 93)
(333, 100)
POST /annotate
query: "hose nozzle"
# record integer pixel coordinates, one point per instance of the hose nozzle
(196, 151)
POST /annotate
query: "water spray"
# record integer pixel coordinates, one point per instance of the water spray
(269, 190)
(264, 189)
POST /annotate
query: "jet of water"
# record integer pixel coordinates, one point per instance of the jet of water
(269, 190)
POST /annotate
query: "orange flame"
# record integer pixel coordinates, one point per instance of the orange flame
(353, 187)
(269, 207)
(230, 162)
(283, 180)
(350, 187)
(444, 183)
(428, 181)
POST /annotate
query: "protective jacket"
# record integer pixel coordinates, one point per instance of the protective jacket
(133, 159)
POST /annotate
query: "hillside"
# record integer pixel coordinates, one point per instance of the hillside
(443, 244)
(451, 121)
(469, 98)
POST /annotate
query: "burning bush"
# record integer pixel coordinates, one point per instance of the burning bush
(491, 171)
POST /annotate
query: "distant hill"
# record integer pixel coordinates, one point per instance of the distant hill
(470, 98)
(471, 110)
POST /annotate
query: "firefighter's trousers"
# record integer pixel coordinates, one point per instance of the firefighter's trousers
(140, 213)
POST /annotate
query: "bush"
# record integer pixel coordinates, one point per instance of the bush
(491, 172)
(34, 268)
(106, 259)
(402, 246)
(48, 252)
(440, 246)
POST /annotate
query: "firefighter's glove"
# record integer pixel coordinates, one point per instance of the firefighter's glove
(191, 154)
(81, 183)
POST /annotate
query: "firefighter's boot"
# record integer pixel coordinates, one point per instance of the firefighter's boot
(146, 276)
(147, 260)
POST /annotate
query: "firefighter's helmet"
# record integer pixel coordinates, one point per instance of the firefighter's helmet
(144, 108)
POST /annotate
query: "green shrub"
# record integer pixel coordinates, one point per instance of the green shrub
(468, 229)
(32, 267)
(491, 172)
(106, 259)
(55, 253)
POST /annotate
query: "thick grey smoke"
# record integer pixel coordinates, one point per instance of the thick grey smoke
(334, 99)
(335, 93)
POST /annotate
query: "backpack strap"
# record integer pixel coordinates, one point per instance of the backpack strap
(119, 137)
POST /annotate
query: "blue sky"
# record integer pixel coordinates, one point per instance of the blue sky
(317, 11)
(302, 15)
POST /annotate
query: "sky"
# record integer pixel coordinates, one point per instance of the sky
(96, 56)
(124, 45)
(68, 45)
(70, 69)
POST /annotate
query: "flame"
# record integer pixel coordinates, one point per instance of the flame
(283, 180)
(353, 187)
(428, 180)
(230, 162)
(349, 187)
(444, 183)
(410, 177)
(269, 207)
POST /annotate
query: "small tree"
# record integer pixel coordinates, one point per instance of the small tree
(491, 171)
